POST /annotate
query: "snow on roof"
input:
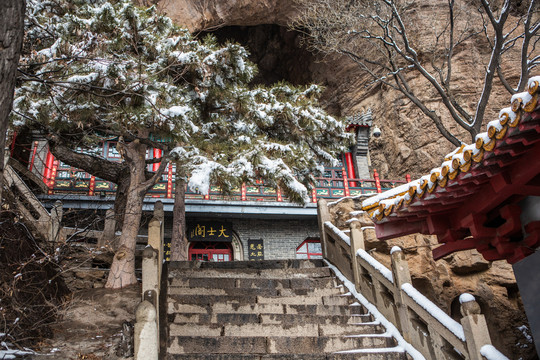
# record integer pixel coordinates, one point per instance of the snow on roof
(363, 119)
(461, 160)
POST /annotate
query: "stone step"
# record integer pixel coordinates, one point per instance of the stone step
(397, 355)
(174, 306)
(265, 330)
(255, 291)
(260, 283)
(255, 318)
(255, 299)
(273, 345)
(302, 273)
(304, 300)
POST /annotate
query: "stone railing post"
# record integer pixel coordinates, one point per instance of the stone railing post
(474, 326)
(357, 242)
(159, 214)
(57, 212)
(150, 272)
(109, 230)
(155, 240)
(323, 215)
(146, 340)
(151, 280)
(401, 275)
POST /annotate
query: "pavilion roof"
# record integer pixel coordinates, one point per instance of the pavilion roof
(475, 191)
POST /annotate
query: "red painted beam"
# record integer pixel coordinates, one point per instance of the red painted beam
(448, 248)
(395, 229)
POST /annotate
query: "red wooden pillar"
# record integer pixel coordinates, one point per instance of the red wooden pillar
(157, 155)
(92, 187)
(52, 178)
(345, 181)
(314, 195)
(34, 151)
(351, 174)
(244, 192)
(169, 182)
(48, 168)
(408, 178)
(12, 147)
(279, 197)
(377, 181)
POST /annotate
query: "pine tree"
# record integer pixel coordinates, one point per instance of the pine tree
(108, 68)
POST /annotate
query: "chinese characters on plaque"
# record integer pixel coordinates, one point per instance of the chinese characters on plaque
(167, 249)
(209, 231)
(255, 249)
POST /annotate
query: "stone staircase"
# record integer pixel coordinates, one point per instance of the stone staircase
(287, 309)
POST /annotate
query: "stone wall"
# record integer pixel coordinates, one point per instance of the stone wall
(281, 237)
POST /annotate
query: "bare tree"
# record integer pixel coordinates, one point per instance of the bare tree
(392, 41)
(11, 36)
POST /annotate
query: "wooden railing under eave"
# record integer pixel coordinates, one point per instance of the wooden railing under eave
(422, 324)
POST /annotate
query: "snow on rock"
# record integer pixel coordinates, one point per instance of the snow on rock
(376, 265)
(434, 311)
(525, 331)
(466, 297)
(390, 328)
(490, 353)
(339, 200)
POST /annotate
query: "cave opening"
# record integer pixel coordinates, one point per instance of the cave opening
(276, 50)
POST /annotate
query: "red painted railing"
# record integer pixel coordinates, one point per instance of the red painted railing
(336, 182)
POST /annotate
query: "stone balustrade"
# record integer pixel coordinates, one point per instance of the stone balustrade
(422, 324)
(146, 333)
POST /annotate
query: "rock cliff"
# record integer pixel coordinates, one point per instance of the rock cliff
(409, 142)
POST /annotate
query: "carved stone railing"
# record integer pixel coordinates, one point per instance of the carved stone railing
(422, 324)
(147, 314)
(46, 224)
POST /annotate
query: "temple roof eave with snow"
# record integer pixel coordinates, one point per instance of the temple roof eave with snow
(481, 196)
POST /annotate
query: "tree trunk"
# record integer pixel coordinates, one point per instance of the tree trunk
(120, 200)
(11, 36)
(122, 272)
(178, 239)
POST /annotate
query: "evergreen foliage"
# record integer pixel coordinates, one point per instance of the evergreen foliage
(110, 68)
